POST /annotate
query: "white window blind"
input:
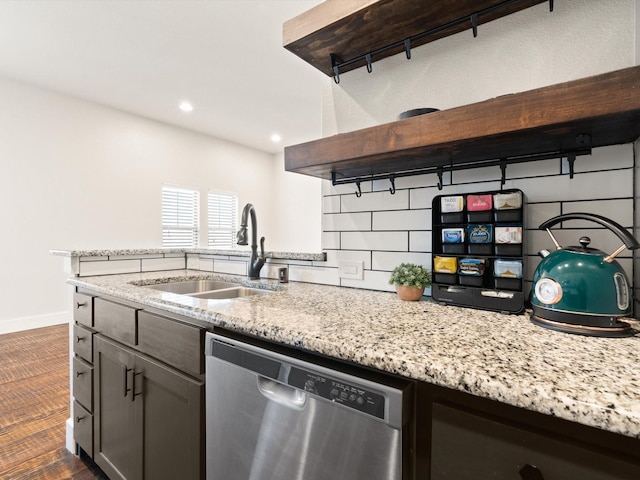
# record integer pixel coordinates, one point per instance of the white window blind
(180, 214)
(222, 219)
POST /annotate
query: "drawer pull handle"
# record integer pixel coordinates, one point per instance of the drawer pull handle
(133, 387)
(80, 305)
(79, 419)
(530, 472)
(78, 373)
(125, 374)
(79, 339)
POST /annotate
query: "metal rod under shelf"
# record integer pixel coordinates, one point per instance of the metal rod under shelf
(440, 169)
(337, 63)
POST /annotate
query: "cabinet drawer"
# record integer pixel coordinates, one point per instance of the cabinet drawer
(468, 446)
(83, 309)
(83, 428)
(177, 344)
(83, 383)
(115, 321)
(83, 342)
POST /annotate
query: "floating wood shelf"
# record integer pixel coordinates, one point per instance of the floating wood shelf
(567, 117)
(351, 29)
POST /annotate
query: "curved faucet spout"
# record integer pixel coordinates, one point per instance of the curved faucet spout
(255, 262)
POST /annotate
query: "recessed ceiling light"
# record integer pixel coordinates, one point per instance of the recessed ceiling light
(186, 107)
(275, 138)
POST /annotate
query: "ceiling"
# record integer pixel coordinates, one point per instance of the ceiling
(147, 56)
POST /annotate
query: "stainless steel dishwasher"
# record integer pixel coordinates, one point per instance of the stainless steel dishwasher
(273, 413)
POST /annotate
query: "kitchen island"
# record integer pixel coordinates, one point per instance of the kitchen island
(591, 381)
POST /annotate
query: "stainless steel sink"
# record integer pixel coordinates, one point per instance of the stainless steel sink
(209, 289)
(231, 293)
(193, 286)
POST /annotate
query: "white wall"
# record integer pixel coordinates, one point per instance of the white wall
(77, 175)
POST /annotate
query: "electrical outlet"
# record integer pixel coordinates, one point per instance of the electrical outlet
(353, 270)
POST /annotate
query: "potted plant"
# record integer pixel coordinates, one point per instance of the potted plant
(410, 280)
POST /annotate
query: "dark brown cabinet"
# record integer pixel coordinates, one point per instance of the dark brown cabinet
(467, 446)
(138, 390)
(147, 417)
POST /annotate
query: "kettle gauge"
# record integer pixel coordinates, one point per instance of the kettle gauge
(548, 291)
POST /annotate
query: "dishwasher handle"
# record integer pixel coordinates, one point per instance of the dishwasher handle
(282, 394)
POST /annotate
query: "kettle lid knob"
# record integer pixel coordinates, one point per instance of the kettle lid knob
(584, 242)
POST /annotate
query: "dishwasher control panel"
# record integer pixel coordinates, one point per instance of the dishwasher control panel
(348, 394)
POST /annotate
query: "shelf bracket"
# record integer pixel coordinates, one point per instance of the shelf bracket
(336, 61)
(474, 24)
(571, 160)
(440, 172)
(503, 171)
(358, 191)
(407, 47)
(392, 189)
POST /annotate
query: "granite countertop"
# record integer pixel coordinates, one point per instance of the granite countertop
(201, 251)
(593, 381)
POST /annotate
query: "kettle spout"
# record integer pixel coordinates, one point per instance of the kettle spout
(544, 253)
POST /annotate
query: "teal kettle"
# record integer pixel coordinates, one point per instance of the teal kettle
(581, 289)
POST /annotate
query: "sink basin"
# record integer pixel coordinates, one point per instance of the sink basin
(230, 293)
(193, 286)
(208, 289)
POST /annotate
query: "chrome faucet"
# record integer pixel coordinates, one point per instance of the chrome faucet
(255, 262)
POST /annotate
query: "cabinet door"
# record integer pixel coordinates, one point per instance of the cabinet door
(466, 446)
(173, 422)
(118, 441)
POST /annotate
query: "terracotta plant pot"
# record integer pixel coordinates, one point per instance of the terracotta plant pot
(409, 293)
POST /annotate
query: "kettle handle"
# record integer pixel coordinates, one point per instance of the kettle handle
(630, 242)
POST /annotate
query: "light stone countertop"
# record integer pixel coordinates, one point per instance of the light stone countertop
(201, 251)
(593, 381)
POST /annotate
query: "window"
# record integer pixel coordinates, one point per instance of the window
(180, 215)
(222, 215)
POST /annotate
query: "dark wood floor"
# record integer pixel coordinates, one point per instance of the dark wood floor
(34, 406)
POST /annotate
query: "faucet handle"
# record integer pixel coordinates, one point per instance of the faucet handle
(262, 247)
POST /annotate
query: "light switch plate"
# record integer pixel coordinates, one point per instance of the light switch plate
(352, 270)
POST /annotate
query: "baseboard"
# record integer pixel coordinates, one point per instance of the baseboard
(70, 442)
(36, 321)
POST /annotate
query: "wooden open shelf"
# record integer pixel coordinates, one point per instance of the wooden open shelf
(590, 112)
(353, 28)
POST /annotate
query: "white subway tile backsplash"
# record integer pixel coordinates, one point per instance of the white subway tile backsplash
(109, 267)
(376, 201)
(420, 242)
(330, 240)
(618, 210)
(230, 267)
(583, 186)
(334, 257)
(331, 204)
(322, 275)
(346, 222)
(402, 220)
(157, 264)
(390, 260)
(205, 264)
(193, 261)
(537, 213)
(373, 280)
(606, 158)
(390, 241)
(400, 225)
